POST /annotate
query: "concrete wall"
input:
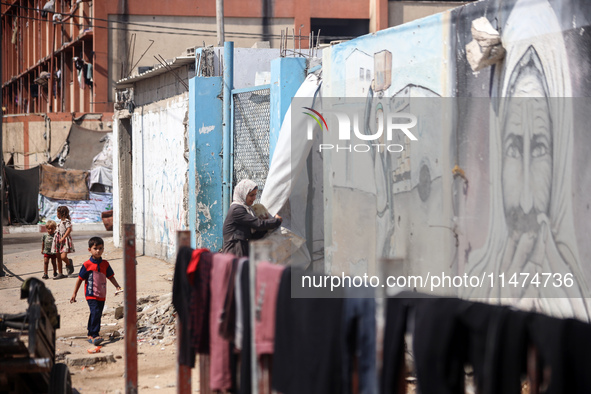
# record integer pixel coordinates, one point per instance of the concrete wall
(287, 74)
(465, 198)
(247, 63)
(163, 86)
(400, 12)
(159, 172)
(362, 184)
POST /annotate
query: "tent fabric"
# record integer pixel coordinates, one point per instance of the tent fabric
(63, 184)
(23, 188)
(101, 175)
(105, 157)
(290, 154)
(83, 146)
(287, 184)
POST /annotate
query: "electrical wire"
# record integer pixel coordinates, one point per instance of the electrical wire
(139, 31)
(235, 34)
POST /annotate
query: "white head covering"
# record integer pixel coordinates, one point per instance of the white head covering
(533, 26)
(241, 190)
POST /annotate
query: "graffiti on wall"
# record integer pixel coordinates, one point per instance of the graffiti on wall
(160, 198)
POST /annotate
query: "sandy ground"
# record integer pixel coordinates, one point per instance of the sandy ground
(156, 362)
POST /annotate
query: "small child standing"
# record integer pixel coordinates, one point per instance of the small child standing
(62, 241)
(94, 273)
(46, 243)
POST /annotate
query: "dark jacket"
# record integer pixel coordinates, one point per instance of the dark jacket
(237, 229)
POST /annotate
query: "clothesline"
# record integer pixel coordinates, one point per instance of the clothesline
(241, 316)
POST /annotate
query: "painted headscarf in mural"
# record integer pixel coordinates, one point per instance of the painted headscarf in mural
(531, 227)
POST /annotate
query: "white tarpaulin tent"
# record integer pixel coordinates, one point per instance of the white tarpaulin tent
(288, 188)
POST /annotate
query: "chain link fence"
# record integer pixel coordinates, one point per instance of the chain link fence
(252, 112)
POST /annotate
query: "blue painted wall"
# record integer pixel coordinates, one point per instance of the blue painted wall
(205, 162)
(287, 74)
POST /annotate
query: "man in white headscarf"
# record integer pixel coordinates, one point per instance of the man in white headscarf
(531, 227)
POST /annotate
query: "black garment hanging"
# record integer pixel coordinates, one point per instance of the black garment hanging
(181, 298)
(308, 351)
(564, 346)
(440, 346)
(393, 369)
(245, 386)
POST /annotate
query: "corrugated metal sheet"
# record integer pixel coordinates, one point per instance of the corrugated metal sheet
(177, 62)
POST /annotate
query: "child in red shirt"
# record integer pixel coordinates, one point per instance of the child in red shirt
(94, 273)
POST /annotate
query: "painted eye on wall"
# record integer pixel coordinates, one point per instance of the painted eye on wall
(513, 151)
(539, 149)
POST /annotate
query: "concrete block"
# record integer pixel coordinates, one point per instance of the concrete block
(119, 312)
(486, 48)
(85, 361)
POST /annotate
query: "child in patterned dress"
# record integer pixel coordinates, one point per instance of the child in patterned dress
(62, 241)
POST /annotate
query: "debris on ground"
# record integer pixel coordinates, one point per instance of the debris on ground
(155, 321)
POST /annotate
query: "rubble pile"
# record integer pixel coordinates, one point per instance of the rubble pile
(155, 320)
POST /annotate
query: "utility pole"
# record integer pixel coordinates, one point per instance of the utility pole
(219, 18)
(1, 154)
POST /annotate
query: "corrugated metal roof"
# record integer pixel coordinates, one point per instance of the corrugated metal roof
(177, 62)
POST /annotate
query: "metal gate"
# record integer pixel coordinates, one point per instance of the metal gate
(251, 109)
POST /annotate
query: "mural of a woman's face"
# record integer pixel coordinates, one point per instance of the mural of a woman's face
(527, 153)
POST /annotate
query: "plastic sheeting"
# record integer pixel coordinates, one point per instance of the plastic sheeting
(287, 187)
(82, 146)
(105, 157)
(84, 211)
(101, 172)
(101, 175)
(23, 188)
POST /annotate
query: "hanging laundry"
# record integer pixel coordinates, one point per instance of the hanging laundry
(228, 317)
(48, 7)
(79, 64)
(220, 377)
(190, 297)
(268, 277)
(307, 351)
(564, 346)
(359, 340)
(200, 299)
(239, 329)
(181, 299)
(393, 371)
(14, 31)
(243, 329)
(496, 341)
(89, 73)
